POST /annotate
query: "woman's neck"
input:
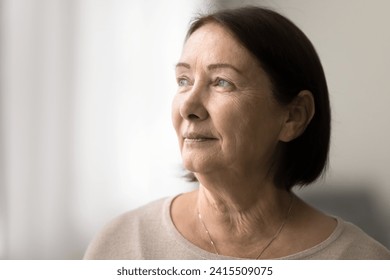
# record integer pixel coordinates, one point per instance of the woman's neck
(248, 220)
(245, 215)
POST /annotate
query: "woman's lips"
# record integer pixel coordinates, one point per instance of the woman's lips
(196, 137)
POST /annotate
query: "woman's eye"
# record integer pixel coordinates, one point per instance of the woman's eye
(182, 82)
(223, 83)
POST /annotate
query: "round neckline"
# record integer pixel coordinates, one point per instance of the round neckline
(203, 254)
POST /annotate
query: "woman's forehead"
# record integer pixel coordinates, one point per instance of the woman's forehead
(213, 44)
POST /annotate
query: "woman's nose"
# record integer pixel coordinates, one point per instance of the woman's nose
(193, 106)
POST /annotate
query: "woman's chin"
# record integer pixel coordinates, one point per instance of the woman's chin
(198, 166)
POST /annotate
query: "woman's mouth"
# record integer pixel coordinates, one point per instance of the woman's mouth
(195, 137)
(198, 139)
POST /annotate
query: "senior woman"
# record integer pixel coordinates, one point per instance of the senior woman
(252, 118)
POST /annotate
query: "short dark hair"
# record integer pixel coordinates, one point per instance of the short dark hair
(292, 64)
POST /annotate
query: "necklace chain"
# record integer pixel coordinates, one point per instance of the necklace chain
(208, 233)
(269, 242)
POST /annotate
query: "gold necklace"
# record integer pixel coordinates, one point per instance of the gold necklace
(268, 243)
(208, 233)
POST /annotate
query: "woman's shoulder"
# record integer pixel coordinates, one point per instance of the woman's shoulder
(354, 243)
(126, 230)
(139, 214)
(347, 242)
(131, 219)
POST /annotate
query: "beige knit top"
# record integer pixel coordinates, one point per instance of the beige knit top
(149, 233)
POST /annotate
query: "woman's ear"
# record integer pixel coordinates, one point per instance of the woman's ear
(299, 114)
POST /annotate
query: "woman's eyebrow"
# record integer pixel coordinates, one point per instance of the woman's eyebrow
(223, 65)
(213, 66)
(183, 64)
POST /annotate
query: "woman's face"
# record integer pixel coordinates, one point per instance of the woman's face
(224, 114)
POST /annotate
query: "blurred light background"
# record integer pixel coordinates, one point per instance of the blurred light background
(85, 130)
